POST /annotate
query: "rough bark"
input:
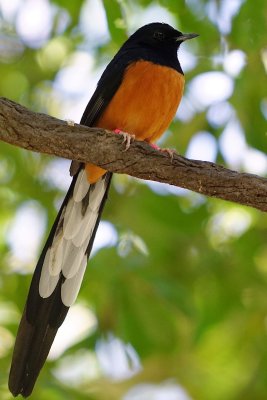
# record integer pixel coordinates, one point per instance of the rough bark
(42, 133)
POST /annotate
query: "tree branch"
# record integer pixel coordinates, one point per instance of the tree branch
(42, 133)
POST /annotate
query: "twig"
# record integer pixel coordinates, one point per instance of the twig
(42, 133)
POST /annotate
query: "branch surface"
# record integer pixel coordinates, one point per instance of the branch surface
(42, 133)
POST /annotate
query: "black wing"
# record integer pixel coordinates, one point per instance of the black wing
(105, 90)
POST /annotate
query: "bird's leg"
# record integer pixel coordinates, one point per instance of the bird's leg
(127, 137)
(171, 152)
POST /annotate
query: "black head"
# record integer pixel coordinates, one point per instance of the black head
(156, 42)
(160, 35)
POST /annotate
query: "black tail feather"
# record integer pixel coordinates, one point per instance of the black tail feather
(41, 319)
(31, 350)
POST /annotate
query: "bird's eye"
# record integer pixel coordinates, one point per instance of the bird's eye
(158, 35)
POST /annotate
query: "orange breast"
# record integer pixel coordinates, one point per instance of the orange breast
(144, 105)
(146, 101)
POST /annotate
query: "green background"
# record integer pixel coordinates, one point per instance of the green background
(186, 282)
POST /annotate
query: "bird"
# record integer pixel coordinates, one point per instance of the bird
(137, 96)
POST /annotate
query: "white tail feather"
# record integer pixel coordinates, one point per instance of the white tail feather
(97, 193)
(81, 186)
(67, 254)
(56, 257)
(86, 228)
(72, 259)
(47, 281)
(72, 219)
(71, 287)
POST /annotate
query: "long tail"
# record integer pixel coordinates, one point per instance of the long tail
(57, 279)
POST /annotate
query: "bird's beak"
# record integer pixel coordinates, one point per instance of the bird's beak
(186, 36)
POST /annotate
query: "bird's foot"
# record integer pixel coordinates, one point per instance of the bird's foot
(170, 152)
(127, 138)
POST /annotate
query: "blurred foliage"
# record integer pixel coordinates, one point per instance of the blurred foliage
(186, 283)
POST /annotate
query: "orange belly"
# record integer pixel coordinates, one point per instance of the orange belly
(144, 105)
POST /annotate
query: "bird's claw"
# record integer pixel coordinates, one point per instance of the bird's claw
(127, 138)
(170, 152)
